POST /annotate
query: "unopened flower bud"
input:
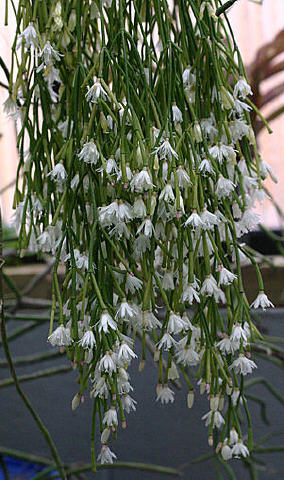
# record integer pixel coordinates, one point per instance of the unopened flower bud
(88, 356)
(173, 372)
(218, 448)
(153, 204)
(105, 435)
(226, 452)
(197, 132)
(178, 128)
(65, 40)
(72, 21)
(202, 387)
(234, 437)
(226, 98)
(211, 11)
(210, 441)
(104, 123)
(158, 388)
(214, 403)
(251, 136)
(141, 365)
(156, 355)
(94, 11)
(190, 398)
(229, 388)
(76, 401)
(156, 165)
(221, 402)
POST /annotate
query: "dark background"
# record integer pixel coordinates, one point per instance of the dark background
(169, 435)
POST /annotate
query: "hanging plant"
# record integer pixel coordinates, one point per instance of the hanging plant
(138, 170)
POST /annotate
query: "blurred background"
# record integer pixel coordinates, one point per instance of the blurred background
(256, 27)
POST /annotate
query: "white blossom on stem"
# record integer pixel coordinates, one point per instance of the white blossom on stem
(205, 167)
(223, 152)
(240, 450)
(106, 322)
(60, 337)
(149, 320)
(106, 455)
(128, 403)
(28, 38)
(190, 294)
(187, 356)
(188, 77)
(183, 178)
(10, 106)
(58, 174)
(241, 107)
(177, 115)
(125, 311)
(46, 240)
(239, 128)
(242, 88)
(224, 187)
(194, 220)
(132, 283)
(218, 421)
(209, 286)
(88, 340)
(107, 363)
(262, 301)
(208, 219)
(166, 342)
(89, 153)
(125, 353)
(48, 54)
(175, 323)
(238, 334)
(147, 228)
(243, 365)
(124, 213)
(167, 194)
(141, 181)
(168, 281)
(110, 417)
(227, 345)
(108, 214)
(165, 394)
(96, 92)
(225, 276)
(165, 150)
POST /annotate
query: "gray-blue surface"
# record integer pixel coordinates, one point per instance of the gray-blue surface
(169, 435)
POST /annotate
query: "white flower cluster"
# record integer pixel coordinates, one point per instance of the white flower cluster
(141, 181)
